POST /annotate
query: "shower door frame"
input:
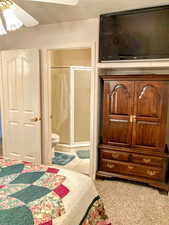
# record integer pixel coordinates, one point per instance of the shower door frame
(46, 104)
(72, 104)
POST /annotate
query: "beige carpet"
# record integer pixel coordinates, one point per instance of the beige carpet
(133, 204)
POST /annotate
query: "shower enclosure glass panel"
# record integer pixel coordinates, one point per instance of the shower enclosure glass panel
(82, 93)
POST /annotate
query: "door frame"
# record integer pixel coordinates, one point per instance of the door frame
(2, 104)
(46, 104)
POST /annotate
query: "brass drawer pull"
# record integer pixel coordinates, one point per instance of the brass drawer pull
(146, 160)
(119, 121)
(110, 166)
(130, 167)
(151, 172)
(115, 155)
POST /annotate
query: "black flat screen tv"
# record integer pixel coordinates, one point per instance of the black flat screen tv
(135, 34)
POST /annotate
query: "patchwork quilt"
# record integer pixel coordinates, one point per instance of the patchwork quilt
(34, 195)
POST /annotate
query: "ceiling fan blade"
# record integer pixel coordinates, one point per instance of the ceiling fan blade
(62, 2)
(26, 18)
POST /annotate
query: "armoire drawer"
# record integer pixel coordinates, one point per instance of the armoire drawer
(114, 155)
(131, 169)
(147, 160)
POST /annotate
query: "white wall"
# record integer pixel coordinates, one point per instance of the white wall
(52, 36)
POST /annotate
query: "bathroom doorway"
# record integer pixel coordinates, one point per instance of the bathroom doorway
(71, 93)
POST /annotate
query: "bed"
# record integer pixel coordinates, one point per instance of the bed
(41, 195)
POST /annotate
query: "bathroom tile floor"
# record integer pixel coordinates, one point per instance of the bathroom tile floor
(77, 164)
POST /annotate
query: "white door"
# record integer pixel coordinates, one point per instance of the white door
(21, 104)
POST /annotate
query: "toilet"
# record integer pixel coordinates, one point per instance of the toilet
(55, 140)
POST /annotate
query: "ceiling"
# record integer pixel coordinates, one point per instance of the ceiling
(47, 13)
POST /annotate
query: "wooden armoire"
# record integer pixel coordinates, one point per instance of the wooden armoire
(135, 129)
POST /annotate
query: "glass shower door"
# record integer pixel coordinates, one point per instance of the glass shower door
(82, 102)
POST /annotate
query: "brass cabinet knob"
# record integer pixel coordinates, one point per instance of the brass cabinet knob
(132, 118)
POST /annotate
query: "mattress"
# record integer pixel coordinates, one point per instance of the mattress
(43, 195)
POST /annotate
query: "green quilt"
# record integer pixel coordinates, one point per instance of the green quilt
(30, 194)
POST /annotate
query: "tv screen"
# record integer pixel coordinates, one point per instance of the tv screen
(135, 34)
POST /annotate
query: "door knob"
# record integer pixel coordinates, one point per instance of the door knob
(35, 119)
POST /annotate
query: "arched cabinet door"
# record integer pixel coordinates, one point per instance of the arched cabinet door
(118, 97)
(150, 107)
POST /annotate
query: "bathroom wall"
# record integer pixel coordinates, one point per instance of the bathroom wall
(71, 57)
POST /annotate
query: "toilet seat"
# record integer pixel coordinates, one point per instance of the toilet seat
(55, 138)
